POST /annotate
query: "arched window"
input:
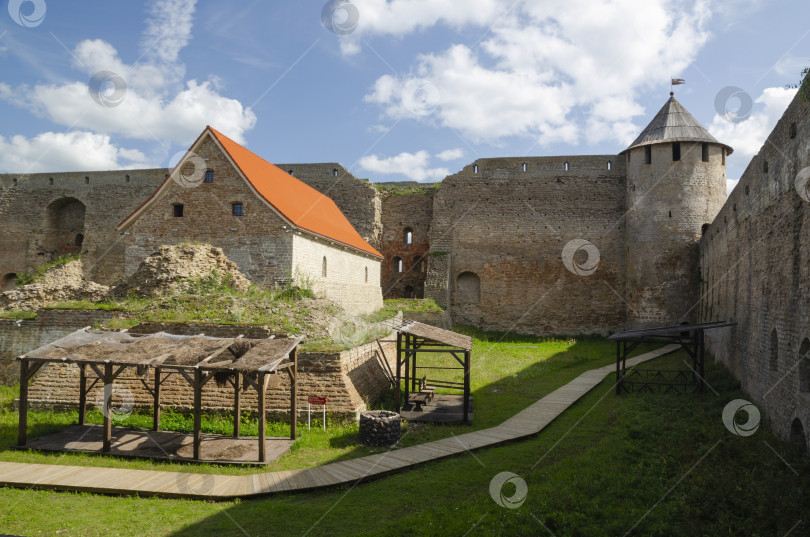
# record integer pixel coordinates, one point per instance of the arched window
(468, 288)
(773, 354)
(804, 366)
(323, 267)
(334, 172)
(397, 264)
(407, 235)
(9, 282)
(79, 240)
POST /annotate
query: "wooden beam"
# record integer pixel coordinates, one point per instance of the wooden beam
(237, 404)
(23, 424)
(466, 418)
(262, 416)
(397, 395)
(108, 382)
(197, 412)
(294, 393)
(156, 402)
(82, 392)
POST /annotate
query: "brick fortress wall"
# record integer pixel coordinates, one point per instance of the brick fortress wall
(497, 238)
(755, 271)
(43, 214)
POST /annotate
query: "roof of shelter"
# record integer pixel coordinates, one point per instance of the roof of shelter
(438, 335)
(298, 203)
(673, 123)
(167, 351)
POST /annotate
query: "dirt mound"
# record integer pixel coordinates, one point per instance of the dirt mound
(171, 268)
(61, 283)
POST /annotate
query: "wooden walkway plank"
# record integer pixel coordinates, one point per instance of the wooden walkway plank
(527, 422)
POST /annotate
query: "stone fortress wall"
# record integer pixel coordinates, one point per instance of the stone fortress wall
(497, 237)
(46, 215)
(755, 271)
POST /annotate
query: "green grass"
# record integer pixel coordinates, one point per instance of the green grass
(638, 464)
(393, 305)
(18, 314)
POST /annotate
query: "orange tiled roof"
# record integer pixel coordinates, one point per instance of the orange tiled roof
(302, 205)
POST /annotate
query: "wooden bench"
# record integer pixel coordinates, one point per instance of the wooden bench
(425, 389)
(419, 399)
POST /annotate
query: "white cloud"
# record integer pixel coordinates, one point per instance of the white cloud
(747, 136)
(158, 104)
(412, 165)
(73, 151)
(400, 17)
(450, 154)
(553, 71)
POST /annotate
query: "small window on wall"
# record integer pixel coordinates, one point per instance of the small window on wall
(676, 151)
(648, 154)
(723, 154)
(407, 235)
(366, 274)
(397, 263)
(237, 209)
(705, 149)
(78, 240)
(323, 267)
(177, 210)
(209, 176)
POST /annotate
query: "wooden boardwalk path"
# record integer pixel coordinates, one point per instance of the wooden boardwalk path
(527, 422)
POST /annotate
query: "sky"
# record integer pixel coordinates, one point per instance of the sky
(392, 89)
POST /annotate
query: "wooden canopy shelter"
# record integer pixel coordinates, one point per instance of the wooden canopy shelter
(105, 355)
(414, 338)
(689, 336)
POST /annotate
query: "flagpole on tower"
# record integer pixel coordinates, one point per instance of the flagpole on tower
(675, 82)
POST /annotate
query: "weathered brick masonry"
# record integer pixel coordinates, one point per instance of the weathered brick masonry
(755, 271)
(497, 236)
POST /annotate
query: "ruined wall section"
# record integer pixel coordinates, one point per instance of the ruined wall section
(755, 271)
(38, 209)
(357, 199)
(498, 233)
(403, 213)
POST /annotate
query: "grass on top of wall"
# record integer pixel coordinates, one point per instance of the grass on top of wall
(508, 374)
(636, 464)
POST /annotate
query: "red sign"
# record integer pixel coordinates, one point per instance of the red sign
(315, 400)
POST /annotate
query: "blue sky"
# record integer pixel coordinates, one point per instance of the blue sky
(392, 89)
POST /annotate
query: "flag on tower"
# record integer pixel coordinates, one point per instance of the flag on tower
(678, 81)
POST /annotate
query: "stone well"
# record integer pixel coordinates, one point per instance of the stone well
(379, 428)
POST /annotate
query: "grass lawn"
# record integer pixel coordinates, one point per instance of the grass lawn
(637, 464)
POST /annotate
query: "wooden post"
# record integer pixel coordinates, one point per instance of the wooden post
(197, 412)
(397, 387)
(237, 405)
(466, 386)
(618, 360)
(82, 392)
(407, 370)
(702, 357)
(294, 395)
(108, 380)
(23, 425)
(156, 406)
(262, 416)
(413, 364)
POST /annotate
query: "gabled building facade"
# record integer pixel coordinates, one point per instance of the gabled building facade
(273, 226)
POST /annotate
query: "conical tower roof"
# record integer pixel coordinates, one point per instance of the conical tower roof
(673, 123)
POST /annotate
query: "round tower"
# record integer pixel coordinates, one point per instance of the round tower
(676, 183)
